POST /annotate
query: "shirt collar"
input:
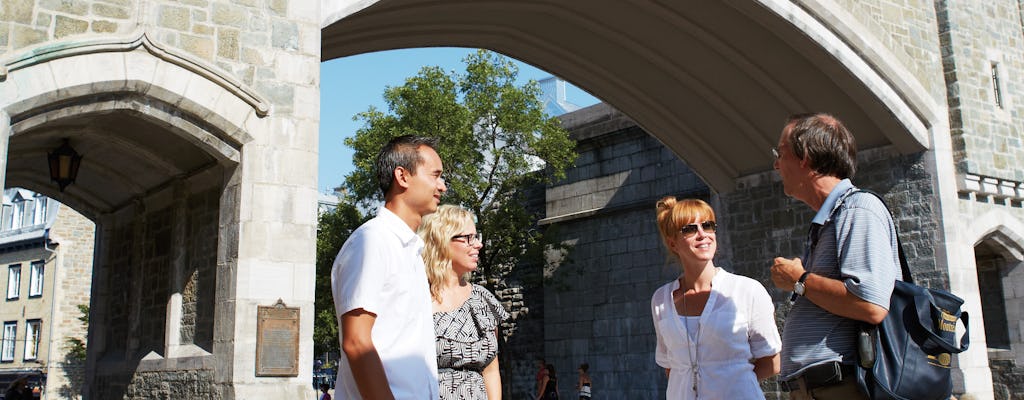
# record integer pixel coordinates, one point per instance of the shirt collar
(830, 201)
(397, 226)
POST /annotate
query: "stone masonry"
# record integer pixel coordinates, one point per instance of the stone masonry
(168, 97)
(75, 236)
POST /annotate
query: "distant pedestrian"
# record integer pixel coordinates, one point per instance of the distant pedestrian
(583, 383)
(549, 385)
(542, 372)
(325, 388)
(18, 390)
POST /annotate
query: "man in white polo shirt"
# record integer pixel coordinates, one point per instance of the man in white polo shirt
(380, 288)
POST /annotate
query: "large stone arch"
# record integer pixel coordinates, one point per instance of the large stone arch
(711, 82)
(161, 136)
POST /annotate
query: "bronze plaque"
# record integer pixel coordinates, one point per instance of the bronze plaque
(277, 340)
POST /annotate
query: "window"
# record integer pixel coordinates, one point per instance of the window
(997, 89)
(8, 213)
(39, 210)
(19, 212)
(13, 281)
(32, 338)
(7, 352)
(35, 279)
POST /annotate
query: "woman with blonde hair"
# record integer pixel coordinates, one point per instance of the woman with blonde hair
(466, 315)
(716, 333)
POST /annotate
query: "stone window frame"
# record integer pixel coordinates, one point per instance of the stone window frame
(995, 74)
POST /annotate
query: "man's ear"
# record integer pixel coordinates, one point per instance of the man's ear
(401, 177)
(806, 161)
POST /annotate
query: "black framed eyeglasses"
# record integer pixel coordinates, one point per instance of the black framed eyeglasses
(691, 229)
(469, 239)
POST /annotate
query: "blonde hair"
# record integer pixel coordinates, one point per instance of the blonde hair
(674, 214)
(437, 230)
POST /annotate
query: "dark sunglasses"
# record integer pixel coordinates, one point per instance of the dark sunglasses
(691, 229)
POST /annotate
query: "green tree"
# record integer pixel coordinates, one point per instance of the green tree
(76, 346)
(496, 140)
(332, 231)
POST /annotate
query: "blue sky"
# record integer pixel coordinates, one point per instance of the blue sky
(350, 85)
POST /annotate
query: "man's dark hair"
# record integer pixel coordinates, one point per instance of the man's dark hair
(822, 137)
(400, 152)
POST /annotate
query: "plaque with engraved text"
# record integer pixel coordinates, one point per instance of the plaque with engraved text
(277, 340)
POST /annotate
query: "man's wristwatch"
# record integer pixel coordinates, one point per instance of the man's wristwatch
(798, 287)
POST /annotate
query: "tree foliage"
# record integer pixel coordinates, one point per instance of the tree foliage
(76, 346)
(494, 137)
(332, 231)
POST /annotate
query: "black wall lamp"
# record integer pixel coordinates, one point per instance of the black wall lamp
(64, 163)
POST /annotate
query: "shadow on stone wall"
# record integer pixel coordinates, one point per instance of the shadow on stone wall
(74, 374)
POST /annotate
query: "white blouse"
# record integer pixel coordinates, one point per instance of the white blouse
(736, 327)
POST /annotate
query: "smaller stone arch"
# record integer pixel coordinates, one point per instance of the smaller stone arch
(59, 90)
(161, 135)
(1002, 230)
(998, 243)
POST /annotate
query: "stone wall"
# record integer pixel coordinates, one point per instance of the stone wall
(1007, 380)
(201, 270)
(75, 235)
(597, 303)
(907, 28)
(191, 384)
(139, 278)
(25, 23)
(976, 36)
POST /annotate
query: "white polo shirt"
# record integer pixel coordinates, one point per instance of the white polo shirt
(380, 270)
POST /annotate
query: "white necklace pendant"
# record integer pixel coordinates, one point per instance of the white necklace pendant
(696, 379)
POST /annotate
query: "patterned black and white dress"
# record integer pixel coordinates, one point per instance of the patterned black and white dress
(466, 342)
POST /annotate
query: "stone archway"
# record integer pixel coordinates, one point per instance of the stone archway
(999, 256)
(712, 82)
(162, 137)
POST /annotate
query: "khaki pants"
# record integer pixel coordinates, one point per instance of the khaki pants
(845, 390)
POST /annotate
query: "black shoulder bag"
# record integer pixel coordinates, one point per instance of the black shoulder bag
(907, 356)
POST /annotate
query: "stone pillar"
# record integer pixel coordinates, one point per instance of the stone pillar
(275, 196)
(172, 324)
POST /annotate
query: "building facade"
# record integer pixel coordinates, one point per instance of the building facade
(46, 249)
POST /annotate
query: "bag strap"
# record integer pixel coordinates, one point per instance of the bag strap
(899, 243)
(924, 313)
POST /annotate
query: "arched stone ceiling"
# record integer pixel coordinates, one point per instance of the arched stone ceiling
(125, 157)
(713, 80)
